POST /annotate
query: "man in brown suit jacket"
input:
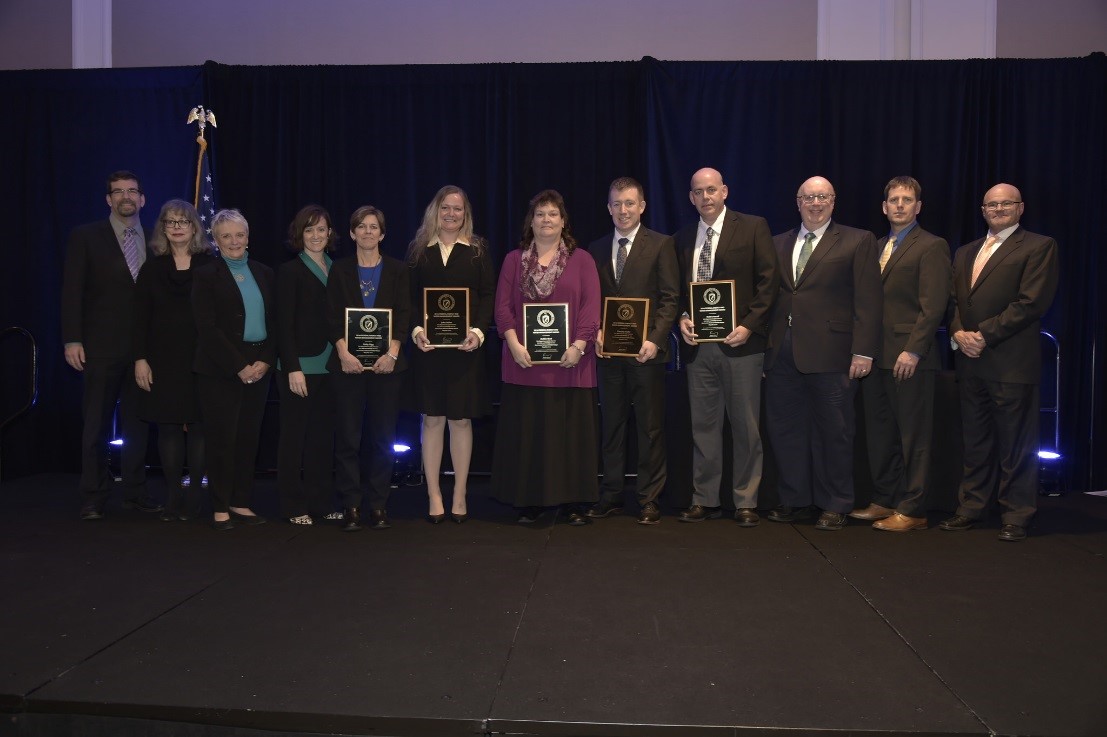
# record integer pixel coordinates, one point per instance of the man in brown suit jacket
(1002, 285)
(899, 393)
(826, 331)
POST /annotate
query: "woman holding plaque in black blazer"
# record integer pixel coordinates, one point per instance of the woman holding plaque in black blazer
(367, 389)
(305, 453)
(233, 303)
(449, 386)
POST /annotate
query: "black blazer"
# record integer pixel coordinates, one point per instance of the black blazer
(745, 254)
(835, 305)
(916, 283)
(463, 270)
(98, 293)
(301, 314)
(221, 318)
(650, 271)
(1006, 305)
(343, 290)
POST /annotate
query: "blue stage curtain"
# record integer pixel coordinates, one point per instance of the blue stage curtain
(392, 135)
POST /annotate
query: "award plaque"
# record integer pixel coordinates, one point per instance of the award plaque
(446, 316)
(546, 331)
(368, 333)
(625, 320)
(712, 310)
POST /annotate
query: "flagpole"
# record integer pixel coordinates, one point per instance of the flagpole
(201, 116)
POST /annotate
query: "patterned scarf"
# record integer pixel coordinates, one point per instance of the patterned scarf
(539, 281)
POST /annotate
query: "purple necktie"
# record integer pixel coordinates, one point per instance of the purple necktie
(130, 251)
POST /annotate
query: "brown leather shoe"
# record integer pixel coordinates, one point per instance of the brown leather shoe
(872, 512)
(900, 523)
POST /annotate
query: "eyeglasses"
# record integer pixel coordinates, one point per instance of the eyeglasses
(177, 223)
(807, 199)
(130, 191)
(1005, 205)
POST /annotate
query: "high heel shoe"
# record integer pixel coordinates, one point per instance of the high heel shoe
(459, 518)
(247, 519)
(436, 519)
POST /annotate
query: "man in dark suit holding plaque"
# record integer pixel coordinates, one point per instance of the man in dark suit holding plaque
(724, 376)
(898, 394)
(1002, 285)
(635, 264)
(826, 332)
(102, 261)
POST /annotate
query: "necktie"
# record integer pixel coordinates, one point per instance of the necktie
(703, 267)
(130, 251)
(805, 253)
(621, 259)
(982, 258)
(887, 252)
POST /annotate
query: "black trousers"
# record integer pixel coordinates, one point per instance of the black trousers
(899, 424)
(107, 381)
(624, 384)
(371, 401)
(999, 422)
(232, 412)
(811, 428)
(305, 452)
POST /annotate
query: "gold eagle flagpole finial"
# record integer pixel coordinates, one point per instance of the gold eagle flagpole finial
(202, 116)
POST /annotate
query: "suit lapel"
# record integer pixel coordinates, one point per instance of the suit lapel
(730, 232)
(1009, 246)
(827, 243)
(901, 249)
(788, 244)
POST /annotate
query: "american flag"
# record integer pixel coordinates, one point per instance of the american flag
(205, 197)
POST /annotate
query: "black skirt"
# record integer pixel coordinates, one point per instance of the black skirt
(546, 446)
(448, 382)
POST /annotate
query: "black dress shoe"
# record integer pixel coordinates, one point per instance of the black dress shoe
(247, 519)
(698, 513)
(782, 513)
(650, 514)
(529, 515)
(603, 508)
(142, 504)
(1012, 533)
(222, 524)
(436, 519)
(92, 510)
(746, 517)
(830, 521)
(378, 519)
(957, 523)
(459, 518)
(351, 520)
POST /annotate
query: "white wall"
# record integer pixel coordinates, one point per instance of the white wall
(41, 33)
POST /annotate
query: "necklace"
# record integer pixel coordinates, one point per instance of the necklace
(369, 285)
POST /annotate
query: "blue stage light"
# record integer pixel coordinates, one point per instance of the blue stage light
(400, 448)
(116, 442)
(1049, 455)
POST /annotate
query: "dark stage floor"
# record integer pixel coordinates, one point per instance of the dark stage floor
(131, 626)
